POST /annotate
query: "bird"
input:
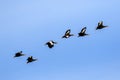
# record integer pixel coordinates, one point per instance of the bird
(30, 59)
(67, 34)
(18, 54)
(82, 32)
(100, 25)
(51, 43)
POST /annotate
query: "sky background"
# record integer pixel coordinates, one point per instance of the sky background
(26, 25)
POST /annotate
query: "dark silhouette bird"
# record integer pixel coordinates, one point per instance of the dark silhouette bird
(18, 54)
(82, 32)
(67, 34)
(30, 59)
(51, 44)
(100, 25)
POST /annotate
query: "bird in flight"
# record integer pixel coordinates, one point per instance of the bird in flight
(82, 32)
(50, 44)
(67, 34)
(30, 59)
(100, 25)
(18, 54)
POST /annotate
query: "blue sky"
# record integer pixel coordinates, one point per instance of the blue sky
(28, 24)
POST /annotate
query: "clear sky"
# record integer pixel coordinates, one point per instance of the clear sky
(28, 24)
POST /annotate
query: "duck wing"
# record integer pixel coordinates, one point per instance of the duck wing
(67, 32)
(83, 30)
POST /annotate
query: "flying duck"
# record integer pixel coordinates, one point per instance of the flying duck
(30, 59)
(100, 25)
(67, 34)
(51, 44)
(18, 54)
(82, 32)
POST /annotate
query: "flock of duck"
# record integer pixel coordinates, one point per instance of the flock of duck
(67, 34)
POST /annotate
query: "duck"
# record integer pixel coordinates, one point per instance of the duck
(100, 25)
(67, 34)
(18, 54)
(82, 32)
(51, 43)
(30, 59)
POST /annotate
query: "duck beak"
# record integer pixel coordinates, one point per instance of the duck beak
(87, 34)
(62, 36)
(72, 34)
(45, 44)
(23, 54)
(55, 42)
(35, 59)
(96, 28)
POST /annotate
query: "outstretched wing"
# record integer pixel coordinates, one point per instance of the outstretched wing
(34, 59)
(83, 30)
(100, 23)
(30, 58)
(67, 32)
(20, 51)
